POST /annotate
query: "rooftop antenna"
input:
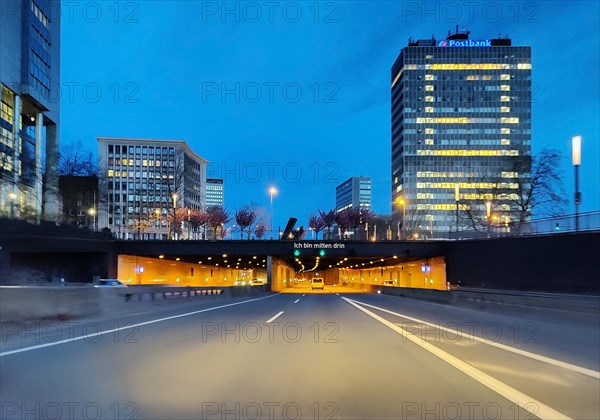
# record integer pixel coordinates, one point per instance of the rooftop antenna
(456, 28)
(449, 32)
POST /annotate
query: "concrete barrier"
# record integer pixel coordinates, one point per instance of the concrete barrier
(485, 299)
(22, 304)
(63, 303)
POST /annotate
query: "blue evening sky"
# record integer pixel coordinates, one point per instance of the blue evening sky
(297, 94)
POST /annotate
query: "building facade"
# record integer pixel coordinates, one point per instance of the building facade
(141, 182)
(30, 108)
(461, 133)
(215, 192)
(79, 198)
(354, 192)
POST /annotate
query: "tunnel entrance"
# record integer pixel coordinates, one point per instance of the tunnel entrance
(289, 275)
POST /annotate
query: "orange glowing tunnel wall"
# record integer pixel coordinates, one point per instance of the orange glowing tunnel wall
(142, 270)
(423, 274)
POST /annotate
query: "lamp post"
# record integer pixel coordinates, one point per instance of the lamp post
(92, 212)
(189, 212)
(576, 152)
(488, 213)
(272, 192)
(174, 214)
(457, 200)
(13, 204)
(402, 203)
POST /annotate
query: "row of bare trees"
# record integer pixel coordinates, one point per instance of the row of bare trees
(346, 221)
(211, 223)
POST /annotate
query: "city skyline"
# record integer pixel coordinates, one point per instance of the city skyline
(349, 110)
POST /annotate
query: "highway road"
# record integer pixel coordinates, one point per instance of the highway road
(325, 355)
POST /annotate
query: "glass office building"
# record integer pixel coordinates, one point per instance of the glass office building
(29, 108)
(215, 194)
(354, 192)
(461, 125)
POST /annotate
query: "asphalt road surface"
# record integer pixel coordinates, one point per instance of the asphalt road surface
(359, 356)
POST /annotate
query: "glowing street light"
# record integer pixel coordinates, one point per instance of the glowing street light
(174, 196)
(13, 196)
(92, 212)
(272, 192)
(457, 200)
(400, 201)
(576, 154)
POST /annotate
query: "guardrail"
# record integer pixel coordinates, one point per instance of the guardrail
(140, 293)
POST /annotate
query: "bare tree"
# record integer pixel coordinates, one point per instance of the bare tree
(260, 230)
(245, 218)
(199, 220)
(75, 160)
(543, 192)
(218, 217)
(315, 222)
(328, 218)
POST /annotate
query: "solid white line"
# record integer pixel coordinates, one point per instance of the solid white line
(304, 295)
(520, 399)
(558, 363)
(274, 317)
(297, 300)
(154, 321)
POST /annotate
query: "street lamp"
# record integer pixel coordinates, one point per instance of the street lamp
(576, 152)
(402, 203)
(13, 205)
(92, 212)
(174, 196)
(189, 212)
(272, 192)
(457, 199)
(488, 213)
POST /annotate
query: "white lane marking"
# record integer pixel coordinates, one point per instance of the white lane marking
(558, 363)
(304, 295)
(154, 321)
(274, 317)
(522, 400)
(297, 300)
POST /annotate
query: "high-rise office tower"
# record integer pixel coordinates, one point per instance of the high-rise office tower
(461, 132)
(354, 192)
(215, 194)
(30, 107)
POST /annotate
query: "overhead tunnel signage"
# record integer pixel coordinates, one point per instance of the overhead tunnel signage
(318, 245)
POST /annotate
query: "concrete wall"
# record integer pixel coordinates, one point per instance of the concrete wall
(142, 270)
(282, 275)
(403, 275)
(565, 263)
